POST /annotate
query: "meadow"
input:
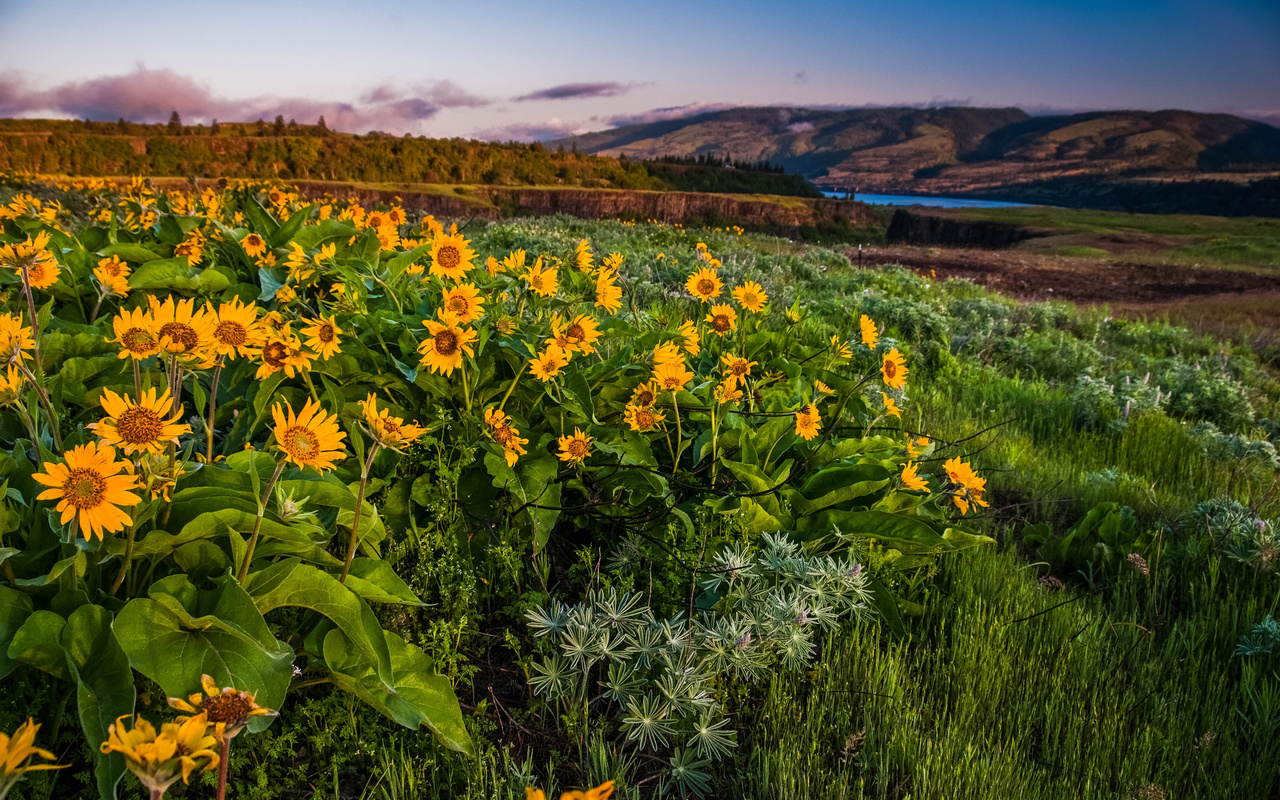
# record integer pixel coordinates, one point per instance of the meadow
(452, 512)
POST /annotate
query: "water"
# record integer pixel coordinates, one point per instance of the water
(939, 202)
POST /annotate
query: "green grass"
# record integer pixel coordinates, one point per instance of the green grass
(1078, 251)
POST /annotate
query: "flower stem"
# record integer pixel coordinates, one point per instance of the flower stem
(44, 401)
(510, 389)
(355, 522)
(224, 754)
(257, 525)
(213, 405)
(125, 560)
(311, 387)
(466, 389)
(31, 310)
(137, 379)
(157, 793)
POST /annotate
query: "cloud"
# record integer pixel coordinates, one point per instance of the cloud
(800, 127)
(149, 95)
(554, 128)
(671, 112)
(800, 77)
(577, 91)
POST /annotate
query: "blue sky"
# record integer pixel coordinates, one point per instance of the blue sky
(485, 68)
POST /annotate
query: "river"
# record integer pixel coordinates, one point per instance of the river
(939, 202)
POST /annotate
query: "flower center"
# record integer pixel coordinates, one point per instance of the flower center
(84, 488)
(890, 369)
(274, 354)
(739, 367)
(301, 442)
(325, 334)
(645, 398)
(458, 304)
(579, 448)
(231, 333)
(181, 334)
(706, 286)
(720, 322)
(229, 707)
(137, 340)
(139, 426)
(449, 257)
(575, 331)
(644, 418)
(446, 343)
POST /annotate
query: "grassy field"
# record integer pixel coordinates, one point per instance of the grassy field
(1095, 647)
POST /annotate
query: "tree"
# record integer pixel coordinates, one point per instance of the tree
(175, 124)
(214, 128)
(278, 128)
(322, 126)
(122, 125)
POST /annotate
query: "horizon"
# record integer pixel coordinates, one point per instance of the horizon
(575, 68)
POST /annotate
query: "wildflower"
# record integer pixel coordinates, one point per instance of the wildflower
(113, 274)
(891, 407)
(601, 792)
(16, 753)
(227, 707)
(158, 759)
(300, 267)
(751, 296)
(840, 349)
(727, 391)
(463, 302)
(667, 353)
(139, 426)
(808, 423)
(916, 446)
(89, 487)
(689, 334)
(285, 294)
(253, 244)
(283, 352)
(451, 256)
(736, 368)
(574, 449)
(42, 267)
(547, 364)
(15, 338)
(911, 480)
(191, 248)
(514, 262)
(541, 281)
(582, 256)
(894, 369)
(1139, 563)
(967, 486)
(310, 438)
(579, 336)
(608, 293)
(704, 284)
(869, 333)
(505, 435)
(672, 376)
(12, 383)
(490, 264)
(506, 325)
(646, 394)
(723, 319)
(445, 345)
(642, 417)
(322, 337)
(181, 329)
(387, 430)
(327, 252)
(136, 334)
(158, 475)
(236, 331)
(821, 388)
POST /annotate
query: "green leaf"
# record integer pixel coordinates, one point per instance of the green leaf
(835, 485)
(286, 231)
(898, 531)
(179, 633)
(415, 696)
(134, 253)
(375, 581)
(887, 605)
(15, 607)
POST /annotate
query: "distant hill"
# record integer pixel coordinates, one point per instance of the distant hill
(1131, 160)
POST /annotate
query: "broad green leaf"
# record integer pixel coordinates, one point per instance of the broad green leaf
(897, 531)
(835, 485)
(887, 605)
(375, 581)
(15, 607)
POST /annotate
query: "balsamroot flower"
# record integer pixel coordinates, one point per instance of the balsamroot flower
(736, 369)
(158, 758)
(322, 337)
(894, 369)
(310, 438)
(967, 487)
(182, 329)
(462, 303)
(89, 487)
(574, 449)
(547, 364)
(808, 422)
(643, 417)
(236, 332)
(751, 296)
(891, 407)
(869, 333)
(505, 435)
(16, 753)
(387, 430)
(15, 338)
(445, 345)
(136, 334)
(254, 245)
(542, 281)
(229, 709)
(601, 792)
(42, 268)
(911, 480)
(451, 256)
(723, 319)
(704, 284)
(139, 426)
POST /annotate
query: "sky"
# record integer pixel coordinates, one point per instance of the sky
(524, 70)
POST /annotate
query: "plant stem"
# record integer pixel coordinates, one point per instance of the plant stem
(224, 755)
(125, 560)
(355, 522)
(44, 401)
(137, 379)
(31, 311)
(157, 794)
(257, 524)
(311, 387)
(510, 389)
(675, 404)
(213, 405)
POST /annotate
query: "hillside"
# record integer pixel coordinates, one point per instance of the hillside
(1130, 160)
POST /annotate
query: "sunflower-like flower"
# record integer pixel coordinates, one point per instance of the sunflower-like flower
(736, 368)
(547, 364)
(891, 407)
(322, 337)
(911, 480)
(601, 792)
(582, 256)
(870, 335)
(139, 426)
(808, 422)
(704, 284)
(667, 353)
(136, 334)
(15, 338)
(300, 267)
(158, 475)
(541, 280)
(967, 487)
(672, 377)
(462, 303)
(283, 352)
(727, 391)
(309, 438)
(513, 262)
(16, 753)
(840, 348)
(643, 417)
(253, 244)
(236, 331)
(608, 292)
(751, 296)
(577, 336)
(451, 256)
(505, 435)
(723, 319)
(445, 345)
(113, 275)
(646, 394)
(916, 446)
(688, 334)
(181, 329)
(574, 449)
(820, 388)
(389, 431)
(12, 382)
(159, 758)
(89, 487)
(894, 369)
(226, 707)
(42, 267)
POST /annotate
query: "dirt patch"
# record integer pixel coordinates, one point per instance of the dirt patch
(1034, 276)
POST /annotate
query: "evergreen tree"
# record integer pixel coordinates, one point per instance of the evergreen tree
(175, 124)
(215, 128)
(278, 128)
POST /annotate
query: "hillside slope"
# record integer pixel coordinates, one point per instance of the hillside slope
(1111, 159)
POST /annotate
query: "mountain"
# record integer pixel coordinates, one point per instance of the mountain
(1138, 160)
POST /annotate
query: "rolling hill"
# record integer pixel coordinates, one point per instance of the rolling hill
(1132, 160)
